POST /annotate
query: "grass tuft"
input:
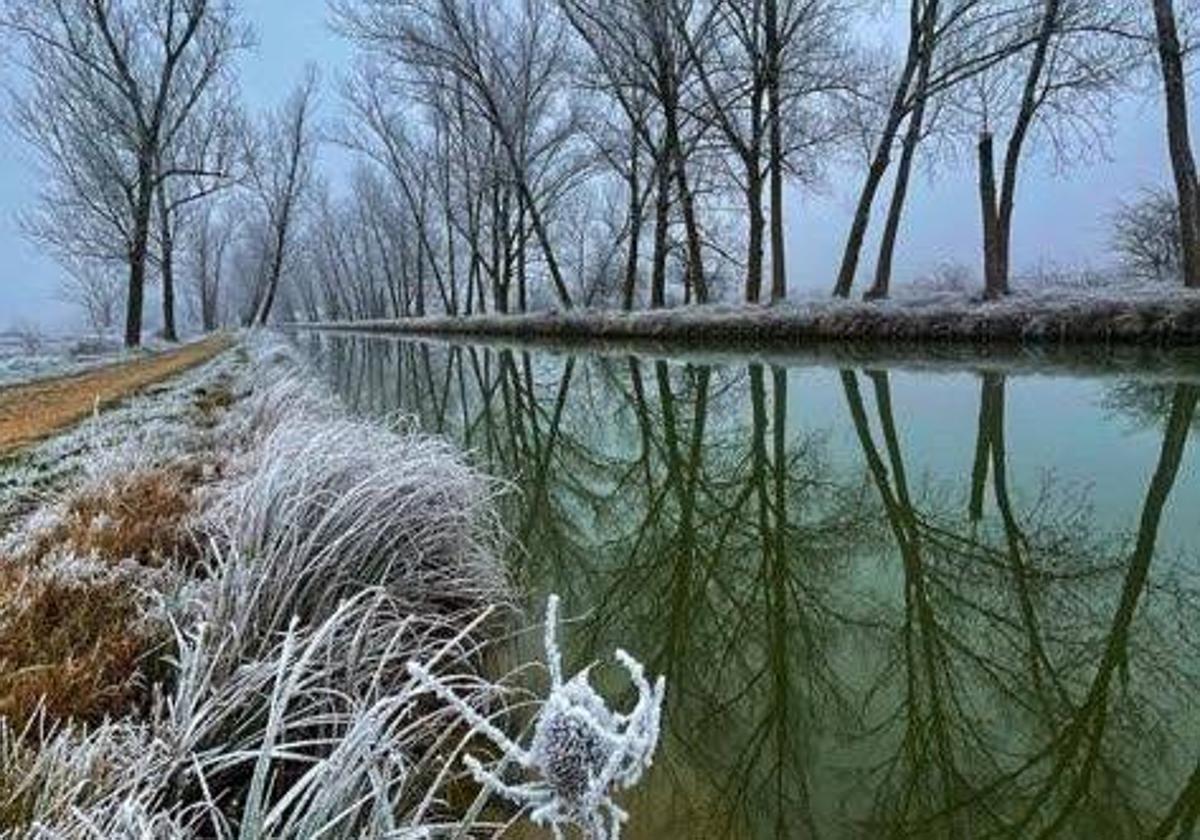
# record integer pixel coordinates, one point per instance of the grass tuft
(76, 647)
(141, 516)
(230, 628)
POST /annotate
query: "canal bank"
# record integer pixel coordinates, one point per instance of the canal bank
(1122, 315)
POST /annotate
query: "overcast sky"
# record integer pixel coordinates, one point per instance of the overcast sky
(1061, 216)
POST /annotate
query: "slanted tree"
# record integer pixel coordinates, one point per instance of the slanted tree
(949, 42)
(1179, 144)
(1064, 82)
(279, 160)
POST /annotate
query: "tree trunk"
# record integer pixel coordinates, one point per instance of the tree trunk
(662, 210)
(993, 279)
(505, 281)
(1183, 164)
(420, 290)
(778, 248)
(1030, 101)
(695, 263)
(452, 263)
(522, 267)
(138, 249)
(912, 136)
(167, 265)
(498, 232)
(264, 313)
(887, 245)
(168, 294)
(629, 288)
(775, 141)
(754, 247)
(862, 217)
(134, 299)
(674, 154)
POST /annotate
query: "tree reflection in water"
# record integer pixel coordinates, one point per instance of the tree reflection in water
(852, 649)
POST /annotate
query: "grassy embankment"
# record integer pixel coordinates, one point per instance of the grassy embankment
(204, 631)
(1051, 315)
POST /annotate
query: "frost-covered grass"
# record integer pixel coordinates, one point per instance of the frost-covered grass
(1067, 312)
(226, 610)
(26, 355)
(161, 424)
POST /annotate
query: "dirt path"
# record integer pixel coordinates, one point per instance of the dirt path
(35, 410)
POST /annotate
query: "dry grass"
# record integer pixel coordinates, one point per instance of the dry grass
(34, 411)
(337, 552)
(74, 637)
(139, 517)
(76, 643)
(212, 402)
(79, 650)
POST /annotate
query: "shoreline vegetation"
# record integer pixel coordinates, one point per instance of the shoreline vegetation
(1053, 315)
(227, 609)
(1146, 363)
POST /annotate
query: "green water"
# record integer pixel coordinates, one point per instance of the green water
(958, 600)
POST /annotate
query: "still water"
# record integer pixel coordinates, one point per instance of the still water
(958, 600)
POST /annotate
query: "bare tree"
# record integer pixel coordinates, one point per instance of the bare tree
(95, 287)
(1145, 236)
(115, 83)
(504, 61)
(279, 163)
(208, 238)
(209, 143)
(646, 70)
(922, 20)
(754, 59)
(949, 42)
(381, 133)
(1064, 84)
(1183, 162)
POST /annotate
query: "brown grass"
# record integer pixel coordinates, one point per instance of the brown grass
(140, 517)
(33, 411)
(212, 401)
(18, 798)
(79, 650)
(83, 650)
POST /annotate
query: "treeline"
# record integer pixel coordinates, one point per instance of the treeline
(533, 153)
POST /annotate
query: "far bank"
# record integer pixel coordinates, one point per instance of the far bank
(1122, 315)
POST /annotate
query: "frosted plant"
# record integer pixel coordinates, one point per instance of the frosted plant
(581, 753)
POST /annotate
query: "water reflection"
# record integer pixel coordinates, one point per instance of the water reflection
(857, 643)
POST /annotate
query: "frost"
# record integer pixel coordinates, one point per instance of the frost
(582, 752)
(1046, 311)
(336, 552)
